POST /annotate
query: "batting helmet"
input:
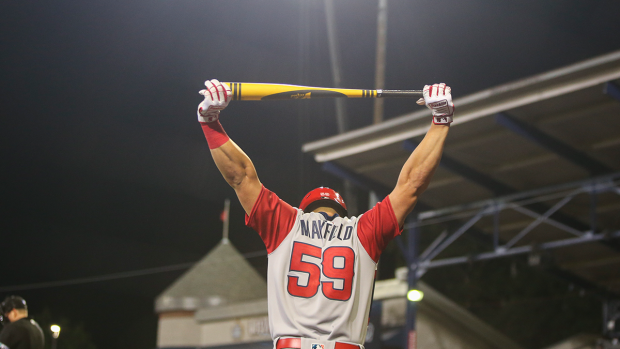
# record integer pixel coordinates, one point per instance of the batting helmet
(324, 196)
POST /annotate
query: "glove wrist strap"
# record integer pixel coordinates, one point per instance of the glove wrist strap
(442, 120)
(214, 133)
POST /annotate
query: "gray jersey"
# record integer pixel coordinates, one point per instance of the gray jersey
(321, 273)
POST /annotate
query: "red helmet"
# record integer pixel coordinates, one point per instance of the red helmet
(323, 196)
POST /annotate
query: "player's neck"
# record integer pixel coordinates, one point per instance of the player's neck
(327, 210)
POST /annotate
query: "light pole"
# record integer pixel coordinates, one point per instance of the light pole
(55, 333)
(414, 295)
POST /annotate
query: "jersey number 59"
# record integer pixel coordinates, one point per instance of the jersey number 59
(341, 270)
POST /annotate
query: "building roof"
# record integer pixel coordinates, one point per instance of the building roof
(222, 277)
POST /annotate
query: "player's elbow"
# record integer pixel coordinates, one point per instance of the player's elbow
(416, 183)
(241, 177)
(413, 190)
(404, 198)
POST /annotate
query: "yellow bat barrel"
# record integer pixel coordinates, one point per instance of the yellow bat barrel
(249, 91)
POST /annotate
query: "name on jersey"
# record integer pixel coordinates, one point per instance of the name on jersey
(318, 229)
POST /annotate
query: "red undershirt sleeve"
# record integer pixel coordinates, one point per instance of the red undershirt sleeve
(377, 227)
(272, 219)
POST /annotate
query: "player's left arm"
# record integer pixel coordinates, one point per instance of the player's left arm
(234, 165)
(418, 170)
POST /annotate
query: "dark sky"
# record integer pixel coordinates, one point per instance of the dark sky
(104, 167)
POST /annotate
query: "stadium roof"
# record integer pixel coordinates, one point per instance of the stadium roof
(515, 146)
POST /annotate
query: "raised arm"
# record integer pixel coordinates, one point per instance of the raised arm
(233, 163)
(418, 170)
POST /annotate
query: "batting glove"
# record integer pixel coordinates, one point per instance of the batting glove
(217, 96)
(438, 99)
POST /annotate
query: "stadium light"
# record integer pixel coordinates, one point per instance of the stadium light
(55, 330)
(415, 295)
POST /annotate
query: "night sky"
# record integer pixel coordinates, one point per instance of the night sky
(104, 168)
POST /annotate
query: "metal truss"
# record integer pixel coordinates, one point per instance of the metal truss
(472, 213)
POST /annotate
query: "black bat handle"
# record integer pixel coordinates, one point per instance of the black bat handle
(399, 93)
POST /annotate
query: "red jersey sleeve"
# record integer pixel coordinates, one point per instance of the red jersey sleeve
(272, 218)
(377, 227)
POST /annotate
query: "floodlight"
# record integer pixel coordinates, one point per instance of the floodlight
(415, 295)
(55, 330)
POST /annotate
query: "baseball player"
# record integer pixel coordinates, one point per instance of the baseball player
(322, 261)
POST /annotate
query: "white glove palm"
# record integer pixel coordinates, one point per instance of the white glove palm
(217, 96)
(438, 99)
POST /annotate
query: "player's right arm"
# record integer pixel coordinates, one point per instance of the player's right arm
(233, 163)
(418, 170)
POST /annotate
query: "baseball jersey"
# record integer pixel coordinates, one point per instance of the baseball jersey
(320, 273)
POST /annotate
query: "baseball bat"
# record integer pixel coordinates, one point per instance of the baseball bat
(250, 91)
